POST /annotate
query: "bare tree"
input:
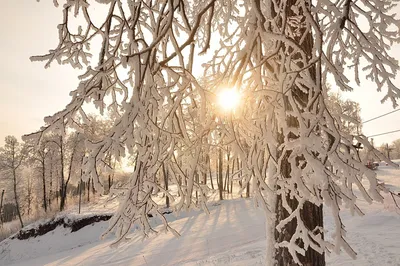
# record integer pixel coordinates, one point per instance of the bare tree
(11, 158)
(38, 158)
(396, 148)
(53, 162)
(348, 111)
(28, 191)
(68, 149)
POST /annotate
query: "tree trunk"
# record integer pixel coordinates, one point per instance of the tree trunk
(312, 217)
(66, 182)
(197, 177)
(220, 178)
(109, 183)
(248, 189)
(57, 192)
(165, 174)
(1, 207)
(62, 185)
(88, 190)
(93, 189)
(44, 186)
(62, 198)
(311, 214)
(231, 178)
(247, 185)
(227, 173)
(29, 192)
(51, 183)
(210, 172)
(16, 198)
(80, 195)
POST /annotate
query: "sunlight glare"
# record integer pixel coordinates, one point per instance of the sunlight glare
(126, 165)
(228, 99)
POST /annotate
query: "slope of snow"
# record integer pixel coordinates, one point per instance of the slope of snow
(233, 234)
(230, 226)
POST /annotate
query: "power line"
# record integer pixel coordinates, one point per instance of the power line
(380, 116)
(385, 133)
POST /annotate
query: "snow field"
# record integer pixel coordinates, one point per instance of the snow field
(233, 234)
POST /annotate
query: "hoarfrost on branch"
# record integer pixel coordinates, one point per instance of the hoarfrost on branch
(141, 60)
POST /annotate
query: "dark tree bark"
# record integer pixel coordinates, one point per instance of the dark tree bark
(109, 183)
(312, 215)
(210, 173)
(16, 197)
(50, 183)
(62, 175)
(80, 185)
(220, 178)
(64, 183)
(29, 195)
(80, 195)
(1, 206)
(93, 189)
(231, 178)
(197, 180)
(44, 184)
(165, 174)
(88, 190)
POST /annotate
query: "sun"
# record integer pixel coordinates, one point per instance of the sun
(228, 99)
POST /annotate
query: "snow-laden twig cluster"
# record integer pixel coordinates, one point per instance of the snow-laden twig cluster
(142, 73)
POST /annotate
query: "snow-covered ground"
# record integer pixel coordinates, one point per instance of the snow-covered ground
(233, 234)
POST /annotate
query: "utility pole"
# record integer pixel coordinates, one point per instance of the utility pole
(369, 156)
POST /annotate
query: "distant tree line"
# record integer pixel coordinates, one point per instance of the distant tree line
(37, 179)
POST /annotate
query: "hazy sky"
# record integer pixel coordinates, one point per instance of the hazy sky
(28, 92)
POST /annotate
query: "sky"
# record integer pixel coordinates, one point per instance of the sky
(29, 92)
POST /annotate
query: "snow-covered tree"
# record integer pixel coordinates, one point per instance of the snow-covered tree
(396, 149)
(38, 160)
(348, 111)
(141, 62)
(28, 192)
(94, 130)
(69, 150)
(52, 172)
(11, 158)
